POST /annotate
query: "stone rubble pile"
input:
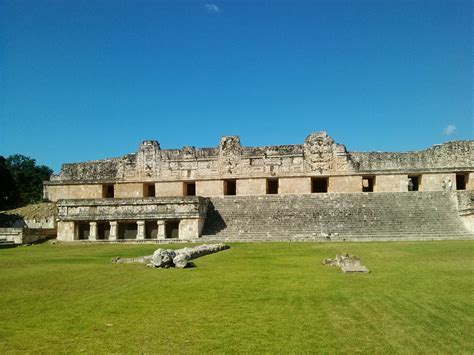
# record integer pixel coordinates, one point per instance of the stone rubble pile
(347, 263)
(180, 258)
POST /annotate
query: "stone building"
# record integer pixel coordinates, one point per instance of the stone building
(225, 191)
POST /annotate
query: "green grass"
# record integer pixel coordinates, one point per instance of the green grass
(270, 298)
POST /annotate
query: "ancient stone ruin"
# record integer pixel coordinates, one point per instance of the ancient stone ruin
(347, 263)
(317, 190)
(180, 258)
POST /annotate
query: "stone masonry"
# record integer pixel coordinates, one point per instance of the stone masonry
(153, 193)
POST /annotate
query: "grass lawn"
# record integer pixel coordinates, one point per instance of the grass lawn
(272, 298)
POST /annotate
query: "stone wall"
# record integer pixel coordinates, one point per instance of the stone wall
(345, 184)
(66, 231)
(391, 183)
(129, 190)
(169, 188)
(132, 209)
(458, 156)
(210, 188)
(26, 235)
(77, 191)
(34, 216)
(465, 202)
(294, 166)
(36, 223)
(143, 218)
(434, 182)
(318, 156)
(470, 181)
(248, 187)
(291, 186)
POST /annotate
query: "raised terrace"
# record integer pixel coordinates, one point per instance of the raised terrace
(340, 217)
(314, 189)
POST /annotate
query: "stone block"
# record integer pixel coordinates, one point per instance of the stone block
(210, 188)
(66, 231)
(434, 182)
(345, 184)
(127, 190)
(294, 186)
(354, 268)
(391, 183)
(248, 187)
(79, 191)
(169, 188)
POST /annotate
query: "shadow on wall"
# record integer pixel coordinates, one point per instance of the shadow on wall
(11, 221)
(214, 221)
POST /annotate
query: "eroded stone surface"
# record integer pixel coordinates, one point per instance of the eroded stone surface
(163, 258)
(180, 258)
(319, 155)
(319, 190)
(347, 263)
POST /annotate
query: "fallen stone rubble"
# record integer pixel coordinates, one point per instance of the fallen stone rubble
(347, 263)
(180, 258)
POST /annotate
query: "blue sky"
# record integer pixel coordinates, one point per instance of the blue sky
(85, 80)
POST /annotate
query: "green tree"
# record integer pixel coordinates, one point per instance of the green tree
(23, 180)
(8, 190)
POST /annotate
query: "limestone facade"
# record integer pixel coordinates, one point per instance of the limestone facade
(101, 191)
(251, 167)
(131, 218)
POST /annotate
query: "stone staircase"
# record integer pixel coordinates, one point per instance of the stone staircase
(5, 243)
(336, 217)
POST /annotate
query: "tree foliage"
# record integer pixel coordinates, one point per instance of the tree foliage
(21, 181)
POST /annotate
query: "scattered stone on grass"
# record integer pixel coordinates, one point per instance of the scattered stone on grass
(139, 260)
(180, 258)
(347, 263)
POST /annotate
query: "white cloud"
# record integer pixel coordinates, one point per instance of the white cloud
(212, 8)
(449, 130)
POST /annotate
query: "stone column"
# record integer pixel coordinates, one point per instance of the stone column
(92, 230)
(141, 230)
(66, 231)
(189, 228)
(113, 231)
(161, 230)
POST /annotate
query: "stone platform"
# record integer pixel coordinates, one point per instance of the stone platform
(339, 217)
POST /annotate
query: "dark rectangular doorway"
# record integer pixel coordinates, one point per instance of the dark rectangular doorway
(319, 185)
(103, 230)
(230, 187)
(461, 181)
(127, 230)
(414, 183)
(172, 229)
(83, 230)
(190, 188)
(149, 190)
(108, 191)
(272, 186)
(151, 230)
(368, 183)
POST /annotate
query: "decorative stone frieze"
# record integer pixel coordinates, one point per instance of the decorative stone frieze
(132, 209)
(230, 155)
(319, 155)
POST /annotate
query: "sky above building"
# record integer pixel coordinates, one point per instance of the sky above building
(87, 80)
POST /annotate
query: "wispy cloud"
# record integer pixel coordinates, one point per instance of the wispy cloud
(449, 130)
(212, 8)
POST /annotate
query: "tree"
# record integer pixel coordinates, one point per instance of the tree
(21, 180)
(8, 190)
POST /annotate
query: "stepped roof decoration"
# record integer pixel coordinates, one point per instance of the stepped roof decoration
(318, 155)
